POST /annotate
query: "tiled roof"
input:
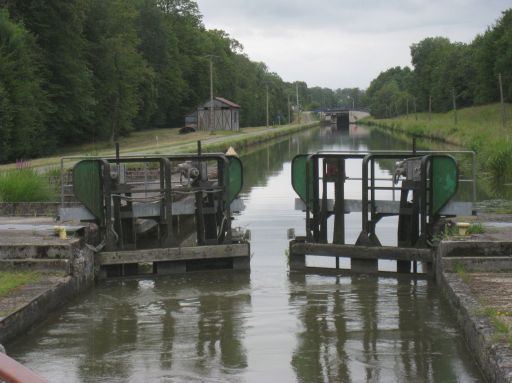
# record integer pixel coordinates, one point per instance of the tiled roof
(227, 102)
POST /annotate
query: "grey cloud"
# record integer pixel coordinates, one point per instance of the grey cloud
(351, 16)
(272, 30)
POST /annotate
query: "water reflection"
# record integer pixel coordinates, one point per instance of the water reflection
(221, 325)
(320, 354)
(135, 330)
(365, 329)
(269, 159)
(208, 317)
(171, 310)
(111, 336)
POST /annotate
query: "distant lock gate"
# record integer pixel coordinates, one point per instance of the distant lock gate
(425, 181)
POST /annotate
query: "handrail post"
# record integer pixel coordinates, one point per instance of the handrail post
(474, 165)
(62, 182)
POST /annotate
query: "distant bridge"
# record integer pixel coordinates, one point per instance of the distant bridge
(335, 115)
(341, 109)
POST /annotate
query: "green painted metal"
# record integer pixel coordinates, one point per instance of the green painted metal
(88, 186)
(444, 181)
(299, 176)
(236, 178)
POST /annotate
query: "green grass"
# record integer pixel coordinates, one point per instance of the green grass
(458, 268)
(25, 185)
(503, 331)
(479, 128)
(461, 271)
(500, 326)
(29, 185)
(476, 228)
(53, 171)
(9, 281)
(169, 142)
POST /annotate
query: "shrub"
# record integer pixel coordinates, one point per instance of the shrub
(476, 228)
(53, 171)
(499, 160)
(24, 185)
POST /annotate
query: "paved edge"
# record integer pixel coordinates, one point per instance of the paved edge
(51, 297)
(492, 357)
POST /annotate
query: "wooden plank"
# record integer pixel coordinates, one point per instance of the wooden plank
(363, 252)
(174, 254)
(380, 273)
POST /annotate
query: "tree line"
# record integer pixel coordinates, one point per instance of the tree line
(82, 71)
(446, 73)
(75, 71)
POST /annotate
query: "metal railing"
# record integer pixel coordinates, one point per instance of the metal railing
(316, 204)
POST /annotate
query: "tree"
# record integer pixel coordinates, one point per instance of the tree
(348, 96)
(23, 102)
(427, 56)
(119, 69)
(492, 55)
(163, 94)
(58, 25)
(455, 73)
(503, 31)
(389, 92)
(181, 9)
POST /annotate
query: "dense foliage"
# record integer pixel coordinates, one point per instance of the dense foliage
(444, 69)
(80, 71)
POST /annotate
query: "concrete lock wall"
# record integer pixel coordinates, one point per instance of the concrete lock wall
(493, 357)
(52, 292)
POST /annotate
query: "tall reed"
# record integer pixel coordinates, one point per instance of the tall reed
(25, 185)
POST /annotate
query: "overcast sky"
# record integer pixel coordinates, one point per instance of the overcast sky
(339, 43)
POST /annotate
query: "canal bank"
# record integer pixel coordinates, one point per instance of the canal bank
(266, 324)
(60, 269)
(475, 276)
(169, 141)
(478, 128)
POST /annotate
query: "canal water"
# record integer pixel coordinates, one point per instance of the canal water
(268, 325)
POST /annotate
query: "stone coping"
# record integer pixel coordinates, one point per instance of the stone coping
(31, 303)
(492, 353)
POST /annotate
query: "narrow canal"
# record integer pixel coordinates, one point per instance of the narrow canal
(268, 325)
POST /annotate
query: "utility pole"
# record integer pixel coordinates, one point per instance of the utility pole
(415, 112)
(210, 120)
(297, 105)
(407, 107)
(503, 113)
(289, 108)
(266, 84)
(429, 108)
(297, 94)
(210, 125)
(455, 119)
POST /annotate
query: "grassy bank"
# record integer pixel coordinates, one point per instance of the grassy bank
(26, 185)
(478, 128)
(243, 141)
(10, 281)
(169, 141)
